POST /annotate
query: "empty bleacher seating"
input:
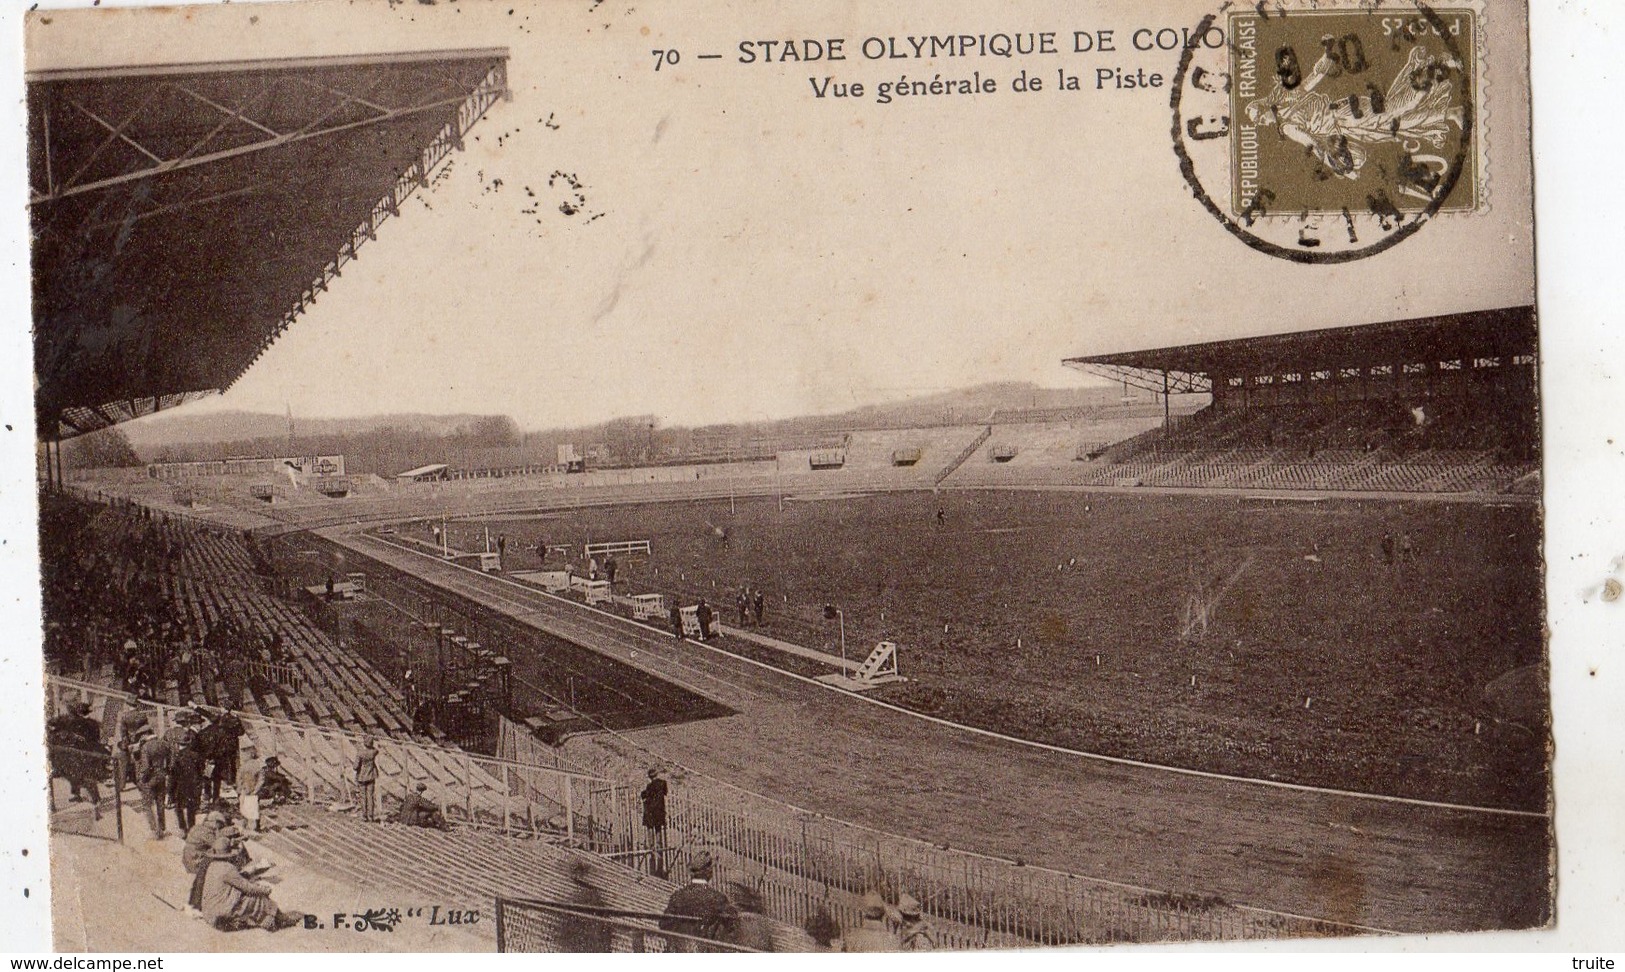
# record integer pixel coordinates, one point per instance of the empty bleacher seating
(1439, 446)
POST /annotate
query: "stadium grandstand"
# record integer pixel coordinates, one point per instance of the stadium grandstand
(1430, 405)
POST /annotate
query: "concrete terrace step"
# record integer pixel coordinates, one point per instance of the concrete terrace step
(413, 867)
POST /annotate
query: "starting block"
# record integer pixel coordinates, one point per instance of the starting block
(488, 563)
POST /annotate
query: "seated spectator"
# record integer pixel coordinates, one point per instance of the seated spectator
(823, 929)
(232, 902)
(872, 935)
(275, 787)
(418, 810)
(699, 910)
(916, 934)
(195, 853)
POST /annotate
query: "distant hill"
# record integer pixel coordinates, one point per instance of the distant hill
(168, 429)
(975, 404)
(260, 430)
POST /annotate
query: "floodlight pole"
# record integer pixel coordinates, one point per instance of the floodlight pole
(842, 616)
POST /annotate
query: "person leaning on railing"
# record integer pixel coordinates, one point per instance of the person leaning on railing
(914, 931)
(77, 754)
(584, 932)
(755, 930)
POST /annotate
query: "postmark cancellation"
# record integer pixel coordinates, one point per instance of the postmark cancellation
(1333, 131)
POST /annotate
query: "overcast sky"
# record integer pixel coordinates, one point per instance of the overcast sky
(761, 253)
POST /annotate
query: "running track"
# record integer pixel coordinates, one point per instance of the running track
(1343, 857)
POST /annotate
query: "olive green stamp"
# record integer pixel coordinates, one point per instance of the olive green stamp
(1366, 112)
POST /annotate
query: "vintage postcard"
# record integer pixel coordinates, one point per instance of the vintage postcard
(609, 476)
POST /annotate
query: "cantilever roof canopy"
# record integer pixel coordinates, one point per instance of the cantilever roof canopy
(432, 469)
(184, 215)
(1190, 368)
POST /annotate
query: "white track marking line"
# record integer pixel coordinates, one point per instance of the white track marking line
(1047, 747)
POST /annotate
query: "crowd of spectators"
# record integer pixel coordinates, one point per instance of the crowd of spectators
(189, 772)
(106, 604)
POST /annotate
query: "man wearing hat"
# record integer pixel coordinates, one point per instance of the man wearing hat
(872, 935)
(130, 723)
(418, 810)
(195, 853)
(654, 819)
(184, 731)
(275, 787)
(76, 721)
(231, 901)
(915, 932)
(152, 777)
(366, 778)
(220, 742)
(697, 909)
(75, 741)
(248, 787)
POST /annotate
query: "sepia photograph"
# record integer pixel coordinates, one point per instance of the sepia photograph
(606, 477)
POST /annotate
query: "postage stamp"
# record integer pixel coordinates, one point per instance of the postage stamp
(1345, 111)
(1330, 134)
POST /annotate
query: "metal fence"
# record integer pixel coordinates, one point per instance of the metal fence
(525, 925)
(799, 863)
(802, 863)
(85, 792)
(473, 791)
(285, 676)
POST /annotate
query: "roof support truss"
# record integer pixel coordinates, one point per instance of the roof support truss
(493, 87)
(159, 162)
(149, 183)
(1150, 379)
(80, 419)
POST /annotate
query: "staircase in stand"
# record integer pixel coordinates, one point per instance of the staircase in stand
(964, 455)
